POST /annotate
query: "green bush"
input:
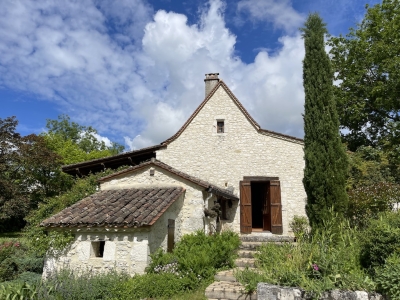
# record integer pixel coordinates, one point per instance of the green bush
(388, 277)
(153, 285)
(15, 259)
(198, 254)
(380, 240)
(368, 201)
(300, 227)
(67, 285)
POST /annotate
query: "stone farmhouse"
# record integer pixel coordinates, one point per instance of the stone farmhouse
(220, 160)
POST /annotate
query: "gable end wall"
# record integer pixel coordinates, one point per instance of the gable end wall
(223, 159)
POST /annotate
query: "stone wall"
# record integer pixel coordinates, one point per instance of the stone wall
(224, 158)
(267, 291)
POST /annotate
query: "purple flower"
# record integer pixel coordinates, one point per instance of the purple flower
(315, 267)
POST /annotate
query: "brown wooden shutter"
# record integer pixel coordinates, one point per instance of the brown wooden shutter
(171, 235)
(276, 207)
(245, 207)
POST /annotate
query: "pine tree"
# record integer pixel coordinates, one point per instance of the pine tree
(325, 157)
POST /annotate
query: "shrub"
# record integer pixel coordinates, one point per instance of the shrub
(299, 226)
(380, 240)
(198, 254)
(153, 285)
(388, 277)
(67, 285)
(367, 201)
(16, 259)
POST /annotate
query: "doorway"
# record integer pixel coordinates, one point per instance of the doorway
(260, 205)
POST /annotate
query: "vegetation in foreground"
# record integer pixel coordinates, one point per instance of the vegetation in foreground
(335, 257)
(186, 271)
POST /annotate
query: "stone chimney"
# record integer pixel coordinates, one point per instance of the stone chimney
(211, 81)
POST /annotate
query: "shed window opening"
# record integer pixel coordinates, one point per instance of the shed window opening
(220, 126)
(98, 248)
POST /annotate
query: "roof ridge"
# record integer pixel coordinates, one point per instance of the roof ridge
(240, 106)
(203, 183)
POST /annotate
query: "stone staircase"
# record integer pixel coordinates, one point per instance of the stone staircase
(225, 286)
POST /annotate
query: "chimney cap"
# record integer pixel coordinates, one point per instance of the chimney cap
(212, 76)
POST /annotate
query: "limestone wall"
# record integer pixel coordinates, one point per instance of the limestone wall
(125, 250)
(224, 158)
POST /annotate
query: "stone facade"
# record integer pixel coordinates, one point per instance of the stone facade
(242, 150)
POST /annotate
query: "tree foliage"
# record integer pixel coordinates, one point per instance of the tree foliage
(367, 67)
(325, 158)
(30, 165)
(76, 143)
(28, 171)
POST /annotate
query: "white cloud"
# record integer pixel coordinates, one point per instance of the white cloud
(142, 77)
(278, 12)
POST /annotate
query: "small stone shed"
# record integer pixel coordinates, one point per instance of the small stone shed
(136, 212)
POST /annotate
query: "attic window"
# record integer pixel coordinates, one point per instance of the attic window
(98, 249)
(220, 126)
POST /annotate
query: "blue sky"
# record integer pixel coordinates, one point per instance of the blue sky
(134, 69)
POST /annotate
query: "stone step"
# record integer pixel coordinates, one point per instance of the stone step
(266, 238)
(227, 275)
(250, 246)
(246, 253)
(245, 262)
(224, 290)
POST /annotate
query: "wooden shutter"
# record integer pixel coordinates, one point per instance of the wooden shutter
(276, 207)
(171, 235)
(245, 207)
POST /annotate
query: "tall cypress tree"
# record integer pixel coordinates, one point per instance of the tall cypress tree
(325, 157)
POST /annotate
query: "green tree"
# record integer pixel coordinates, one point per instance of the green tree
(28, 172)
(367, 68)
(325, 157)
(83, 136)
(76, 143)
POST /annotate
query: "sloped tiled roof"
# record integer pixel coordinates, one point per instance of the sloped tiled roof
(211, 187)
(117, 208)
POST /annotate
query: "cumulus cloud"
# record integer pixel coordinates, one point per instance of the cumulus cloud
(130, 72)
(278, 12)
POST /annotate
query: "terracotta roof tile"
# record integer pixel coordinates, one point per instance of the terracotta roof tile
(117, 208)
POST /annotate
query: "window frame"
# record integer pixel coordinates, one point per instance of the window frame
(218, 126)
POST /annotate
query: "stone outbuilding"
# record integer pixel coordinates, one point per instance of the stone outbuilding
(220, 171)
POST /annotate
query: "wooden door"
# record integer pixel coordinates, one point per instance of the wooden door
(276, 207)
(245, 207)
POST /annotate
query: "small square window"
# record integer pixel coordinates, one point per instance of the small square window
(98, 249)
(220, 126)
